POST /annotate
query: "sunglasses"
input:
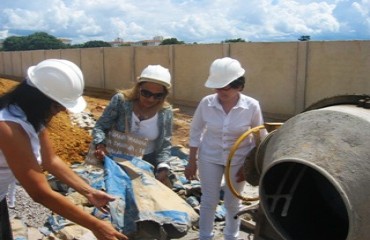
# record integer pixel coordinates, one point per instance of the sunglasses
(148, 94)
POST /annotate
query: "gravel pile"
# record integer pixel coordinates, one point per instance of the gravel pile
(84, 120)
(31, 213)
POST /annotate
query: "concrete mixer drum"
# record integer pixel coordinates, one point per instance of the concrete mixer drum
(315, 175)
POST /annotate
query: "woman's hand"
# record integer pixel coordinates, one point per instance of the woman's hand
(100, 200)
(192, 167)
(100, 151)
(105, 231)
(240, 176)
(191, 171)
(162, 175)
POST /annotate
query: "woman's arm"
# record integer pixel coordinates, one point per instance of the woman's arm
(196, 129)
(257, 120)
(107, 119)
(191, 167)
(105, 123)
(16, 147)
(54, 165)
(164, 149)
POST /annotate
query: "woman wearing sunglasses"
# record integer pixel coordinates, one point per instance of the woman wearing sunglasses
(145, 111)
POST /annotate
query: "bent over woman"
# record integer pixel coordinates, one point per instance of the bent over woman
(26, 151)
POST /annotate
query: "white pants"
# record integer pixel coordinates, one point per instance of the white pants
(211, 175)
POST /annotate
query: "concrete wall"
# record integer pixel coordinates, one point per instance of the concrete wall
(286, 77)
(337, 69)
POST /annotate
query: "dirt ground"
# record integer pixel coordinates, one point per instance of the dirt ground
(72, 142)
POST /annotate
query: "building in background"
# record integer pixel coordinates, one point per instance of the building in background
(156, 41)
(65, 41)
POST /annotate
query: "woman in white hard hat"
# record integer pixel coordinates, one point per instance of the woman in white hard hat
(147, 113)
(26, 151)
(218, 122)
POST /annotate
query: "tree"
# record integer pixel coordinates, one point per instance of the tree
(304, 38)
(79, 45)
(95, 44)
(233, 40)
(170, 41)
(13, 43)
(42, 40)
(35, 41)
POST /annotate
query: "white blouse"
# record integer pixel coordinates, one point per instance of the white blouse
(214, 132)
(15, 114)
(147, 128)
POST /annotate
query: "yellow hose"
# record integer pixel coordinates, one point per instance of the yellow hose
(231, 154)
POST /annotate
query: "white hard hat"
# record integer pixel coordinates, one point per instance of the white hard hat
(61, 80)
(223, 71)
(156, 74)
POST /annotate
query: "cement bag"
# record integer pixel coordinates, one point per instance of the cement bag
(146, 208)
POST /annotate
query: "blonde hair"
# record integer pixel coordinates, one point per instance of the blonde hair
(133, 94)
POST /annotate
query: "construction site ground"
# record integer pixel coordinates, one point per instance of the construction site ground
(71, 142)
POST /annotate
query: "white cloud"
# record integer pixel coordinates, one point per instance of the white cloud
(190, 20)
(3, 34)
(22, 19)
(362, 7)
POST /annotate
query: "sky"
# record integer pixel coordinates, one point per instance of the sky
(200, 21)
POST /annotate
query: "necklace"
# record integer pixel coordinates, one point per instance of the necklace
(142, 117)
(141, 114)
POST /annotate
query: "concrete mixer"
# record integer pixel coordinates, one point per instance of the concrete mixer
(314, 174)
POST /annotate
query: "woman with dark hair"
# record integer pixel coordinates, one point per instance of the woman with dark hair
(26, 151)
(25, 97)
(218, 122)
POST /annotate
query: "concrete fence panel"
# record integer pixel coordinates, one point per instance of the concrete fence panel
(8, 63)
(144, 56)
(270, 74)
(337, 68)
(118, 65)
(92, 65)
(73, 55)
(26, 61)
(17, 64)
(2, 62)
(38, 56)
(53, 54)
(191, 68)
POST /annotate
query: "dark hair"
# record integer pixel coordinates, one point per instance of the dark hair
(239, 82)
(35, 104)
